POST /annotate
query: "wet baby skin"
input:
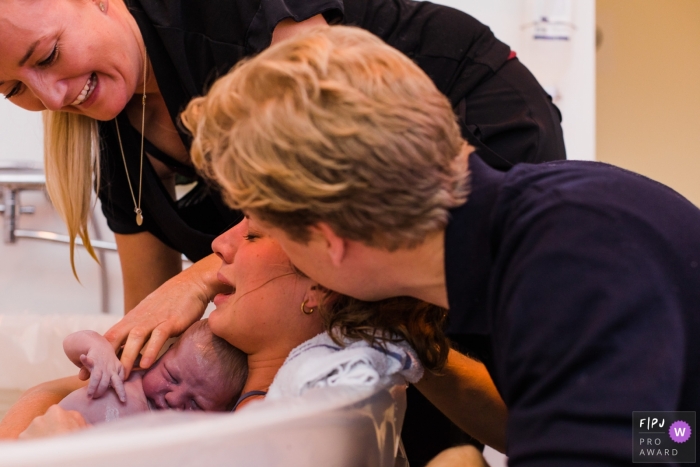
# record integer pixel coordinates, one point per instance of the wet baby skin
(189, 376)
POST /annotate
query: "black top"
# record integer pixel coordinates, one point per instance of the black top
(585, 279)
(191, 42)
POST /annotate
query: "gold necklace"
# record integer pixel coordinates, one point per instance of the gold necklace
(137, 204)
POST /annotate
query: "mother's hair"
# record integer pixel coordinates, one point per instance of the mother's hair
(400, 318)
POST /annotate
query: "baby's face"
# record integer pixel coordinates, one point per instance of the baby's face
(184, 379)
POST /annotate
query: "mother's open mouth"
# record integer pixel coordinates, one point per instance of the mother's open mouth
(222, 297)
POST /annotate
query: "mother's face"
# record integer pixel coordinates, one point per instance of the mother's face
(69, 55)
(264, 308)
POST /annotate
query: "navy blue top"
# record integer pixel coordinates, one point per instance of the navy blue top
(585, 280)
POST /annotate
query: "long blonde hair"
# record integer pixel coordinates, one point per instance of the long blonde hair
(71, 157)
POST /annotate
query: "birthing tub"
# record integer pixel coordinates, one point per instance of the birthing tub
(327, 427)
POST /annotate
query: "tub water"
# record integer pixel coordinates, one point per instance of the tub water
(327, 427)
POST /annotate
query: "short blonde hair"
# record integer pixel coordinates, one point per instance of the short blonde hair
(333, 126)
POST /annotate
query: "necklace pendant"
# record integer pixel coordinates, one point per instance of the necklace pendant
(139, 216)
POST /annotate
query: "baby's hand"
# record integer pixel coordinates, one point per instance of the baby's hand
(95, 357)
(104, 368)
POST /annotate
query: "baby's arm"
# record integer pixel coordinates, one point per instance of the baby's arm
(108, 407)
(93, 354)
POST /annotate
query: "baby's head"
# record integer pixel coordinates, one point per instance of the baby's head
(199, 372)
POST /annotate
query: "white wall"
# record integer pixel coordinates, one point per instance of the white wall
(20, 134)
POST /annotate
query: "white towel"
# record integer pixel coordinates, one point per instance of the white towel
(320, 362)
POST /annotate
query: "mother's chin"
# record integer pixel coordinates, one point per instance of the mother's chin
(219, 326)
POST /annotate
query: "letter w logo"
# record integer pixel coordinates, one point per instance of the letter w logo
(680, 432)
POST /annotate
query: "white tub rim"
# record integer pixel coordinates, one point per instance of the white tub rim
(132, 433)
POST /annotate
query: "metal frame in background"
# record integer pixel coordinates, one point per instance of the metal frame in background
(18, 177)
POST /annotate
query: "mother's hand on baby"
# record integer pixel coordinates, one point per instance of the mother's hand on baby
(166, 312)
(54, 422)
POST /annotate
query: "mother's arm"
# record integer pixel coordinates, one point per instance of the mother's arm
(465, 393)
(35, 402)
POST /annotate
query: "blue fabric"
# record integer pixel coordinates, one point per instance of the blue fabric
(585, 280)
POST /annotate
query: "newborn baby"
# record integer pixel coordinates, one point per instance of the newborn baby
(199, 372)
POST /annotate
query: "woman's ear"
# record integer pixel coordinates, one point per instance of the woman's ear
(315, 296)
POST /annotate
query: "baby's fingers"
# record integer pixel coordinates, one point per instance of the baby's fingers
(118, 386)
(87, 362)
(93, 386)
(103, 386)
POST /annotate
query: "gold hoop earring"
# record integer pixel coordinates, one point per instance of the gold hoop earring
(102, 7)
(303, 308)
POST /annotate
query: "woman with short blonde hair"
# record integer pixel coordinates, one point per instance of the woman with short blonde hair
(560, 274)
